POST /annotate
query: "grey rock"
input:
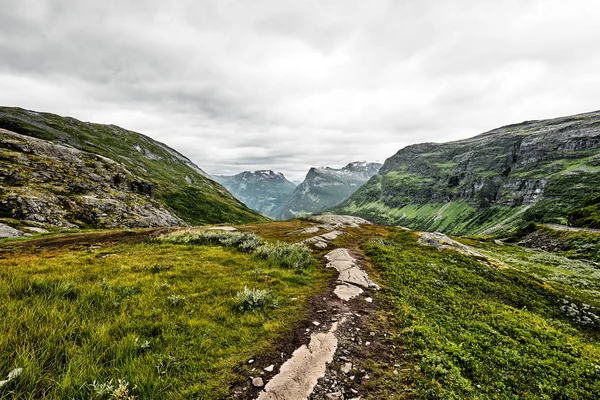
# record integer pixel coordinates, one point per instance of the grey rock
(258, 382)
(7, 231)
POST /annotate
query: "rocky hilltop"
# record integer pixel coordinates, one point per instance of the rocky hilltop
(325, 187)
(543, 171)
(58, 172)
(264, 191)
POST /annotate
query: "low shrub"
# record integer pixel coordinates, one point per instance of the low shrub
(254, 299)
(286, 255)
(244, 241)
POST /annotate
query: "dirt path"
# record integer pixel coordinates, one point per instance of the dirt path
(308, 373)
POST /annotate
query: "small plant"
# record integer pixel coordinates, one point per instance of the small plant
(142, 346)
(254, 299)
(286, 255)
(157, 268)
(176, 300)
(166, 365)
(257, 273)
(119, 390)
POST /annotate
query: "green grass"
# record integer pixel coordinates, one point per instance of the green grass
(163, 317)
(465, 330)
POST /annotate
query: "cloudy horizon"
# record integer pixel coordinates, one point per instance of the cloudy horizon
(287, 86)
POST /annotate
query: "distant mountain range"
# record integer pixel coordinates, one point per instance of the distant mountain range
(544, 171)
(264, 191)
(271, 194)
(58, 172)
(326, 187)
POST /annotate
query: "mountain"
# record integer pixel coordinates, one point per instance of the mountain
(264, 191)
(325, 187)
(60, 172)
(545, 171)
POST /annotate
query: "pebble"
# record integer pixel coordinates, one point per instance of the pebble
(347, 367)
(334, 396)
(270, 368)
(316, 323)
(369, 300)
(258, 382)
(250, 361)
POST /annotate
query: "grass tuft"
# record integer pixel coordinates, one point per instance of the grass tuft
(286, 255)
(254, 300)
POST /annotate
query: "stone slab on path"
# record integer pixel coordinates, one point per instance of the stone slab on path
(298, 376)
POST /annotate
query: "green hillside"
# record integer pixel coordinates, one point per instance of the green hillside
(544, 171)
(129, 164)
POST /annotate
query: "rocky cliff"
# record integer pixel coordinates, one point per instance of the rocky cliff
(326, 187)
(57, 172)
(264, 191)
(532, 171)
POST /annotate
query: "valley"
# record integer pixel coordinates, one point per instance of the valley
(460, 270)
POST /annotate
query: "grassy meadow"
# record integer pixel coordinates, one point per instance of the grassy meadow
(462, 329)
(141, 319)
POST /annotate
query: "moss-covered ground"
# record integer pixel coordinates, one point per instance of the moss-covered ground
(458, 328)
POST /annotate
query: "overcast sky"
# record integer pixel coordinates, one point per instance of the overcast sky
(286, 85)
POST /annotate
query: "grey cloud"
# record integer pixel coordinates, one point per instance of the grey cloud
(289, 85)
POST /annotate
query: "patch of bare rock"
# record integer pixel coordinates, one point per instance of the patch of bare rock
(340, 221)
(443, 242)
(9, 232)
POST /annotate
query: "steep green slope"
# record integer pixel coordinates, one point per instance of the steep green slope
(160, 175)
(533, 171)
(264, 191)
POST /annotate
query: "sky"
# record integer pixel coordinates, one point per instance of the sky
(287, 85)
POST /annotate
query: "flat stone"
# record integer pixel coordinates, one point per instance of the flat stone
(299, 375)
(443, 242)
(349, 270)
(340, 220)
(312, 229)
(35, 229)
(9, 232)
(347, 367)
(258, 382)
(346, 292)
(270, 368)
(331, 235)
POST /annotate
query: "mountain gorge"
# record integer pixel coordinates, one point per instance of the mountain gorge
(264, 191)
(544, 171)
(326, 187)
(58, 172)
